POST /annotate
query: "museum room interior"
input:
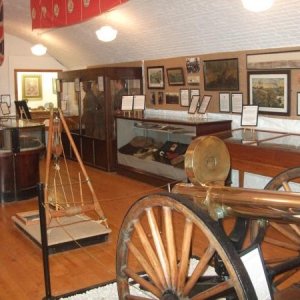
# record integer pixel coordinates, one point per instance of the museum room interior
(149, 149)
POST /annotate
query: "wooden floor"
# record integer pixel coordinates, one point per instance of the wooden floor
(21, 271)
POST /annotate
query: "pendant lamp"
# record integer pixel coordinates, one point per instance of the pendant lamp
(38, 49)
(106, 33)
(257, 5)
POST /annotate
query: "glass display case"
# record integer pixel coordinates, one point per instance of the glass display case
(155, 147)
(89, 100)
(262, 152)
(21, 145)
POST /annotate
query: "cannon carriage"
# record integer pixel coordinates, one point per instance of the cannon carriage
(190, 243)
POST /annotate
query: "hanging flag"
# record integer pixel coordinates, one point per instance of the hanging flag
(1, 34)
(58, 13)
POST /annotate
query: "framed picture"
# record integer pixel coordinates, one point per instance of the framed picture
(22, 109)
(6, 99)
(172, 98)
(4, 109)
(221, 75)
(193, 64)
(32, 87)
(175, 76)
(270, 91)
(298, 104)
(236, 102)
(204, 104)
(155, 77)
(249, 115)
(224, 102)
(58, 85)
(160, 96)
(184, 97)
(194, 104)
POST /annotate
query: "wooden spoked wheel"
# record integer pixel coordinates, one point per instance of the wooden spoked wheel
(157, 239)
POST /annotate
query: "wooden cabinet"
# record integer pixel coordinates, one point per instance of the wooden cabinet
(161, 158)
(93, 126)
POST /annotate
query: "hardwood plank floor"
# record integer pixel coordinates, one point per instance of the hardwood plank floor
(21, 272)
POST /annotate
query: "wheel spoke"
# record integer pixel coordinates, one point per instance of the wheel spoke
(185, 253)
(284, 231)
(281, 244)
(295, 228)
(199, 270)
(217, 289)
(286, 186)
(150, 253)
(171, 247)
(160, 250)
(144, 283)
(148, 269)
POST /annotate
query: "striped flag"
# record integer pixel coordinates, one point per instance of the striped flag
(58, 13)
(1, 34)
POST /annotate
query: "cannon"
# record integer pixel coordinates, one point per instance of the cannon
(189, 243)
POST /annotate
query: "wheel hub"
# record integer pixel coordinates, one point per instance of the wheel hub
(169, 295)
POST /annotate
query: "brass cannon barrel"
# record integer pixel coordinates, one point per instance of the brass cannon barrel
(207, 164)
(221, 201)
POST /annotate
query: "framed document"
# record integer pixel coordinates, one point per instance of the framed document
(224, 102)
(236, 102)
(77, 84)
(249, 115)
(184, 97)
(204, 104)
(194, 105)
(6, 98)
(127, 103)
(4, 109)
(138, 102)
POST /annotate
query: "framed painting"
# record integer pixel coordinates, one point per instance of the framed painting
(175, 76)
(155, 77)
(270, 91)
(221, 75)
(32, 87)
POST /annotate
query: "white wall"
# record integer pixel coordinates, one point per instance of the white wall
(17, 55)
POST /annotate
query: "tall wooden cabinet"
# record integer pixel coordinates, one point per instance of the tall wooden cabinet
(97, 146)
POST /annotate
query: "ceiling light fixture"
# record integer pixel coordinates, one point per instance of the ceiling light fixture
(38, 49)
(257, 5)
(106, 34)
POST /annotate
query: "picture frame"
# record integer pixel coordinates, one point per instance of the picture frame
(4, 108)
(270, 90)
(194, 104)
(224, 102)
(32, 87)
(172, 98)
(194, 92)
(175, 76)
(204, 104)
(22, 110)
(298, 104)
(236, 102)
(77, 84)
(249, 115)
(192, 64)
(127, 103)
(160, 97)
(184, 97)
(6, 98)
(155, 77)
(58, 86)
(139, 102)
(221, 75)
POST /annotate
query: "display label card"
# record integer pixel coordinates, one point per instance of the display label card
(139, 102)
(249, 115)
(127, 103)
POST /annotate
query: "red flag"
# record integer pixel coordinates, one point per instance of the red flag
(90, 8)
(56, 13)
(59, 13)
